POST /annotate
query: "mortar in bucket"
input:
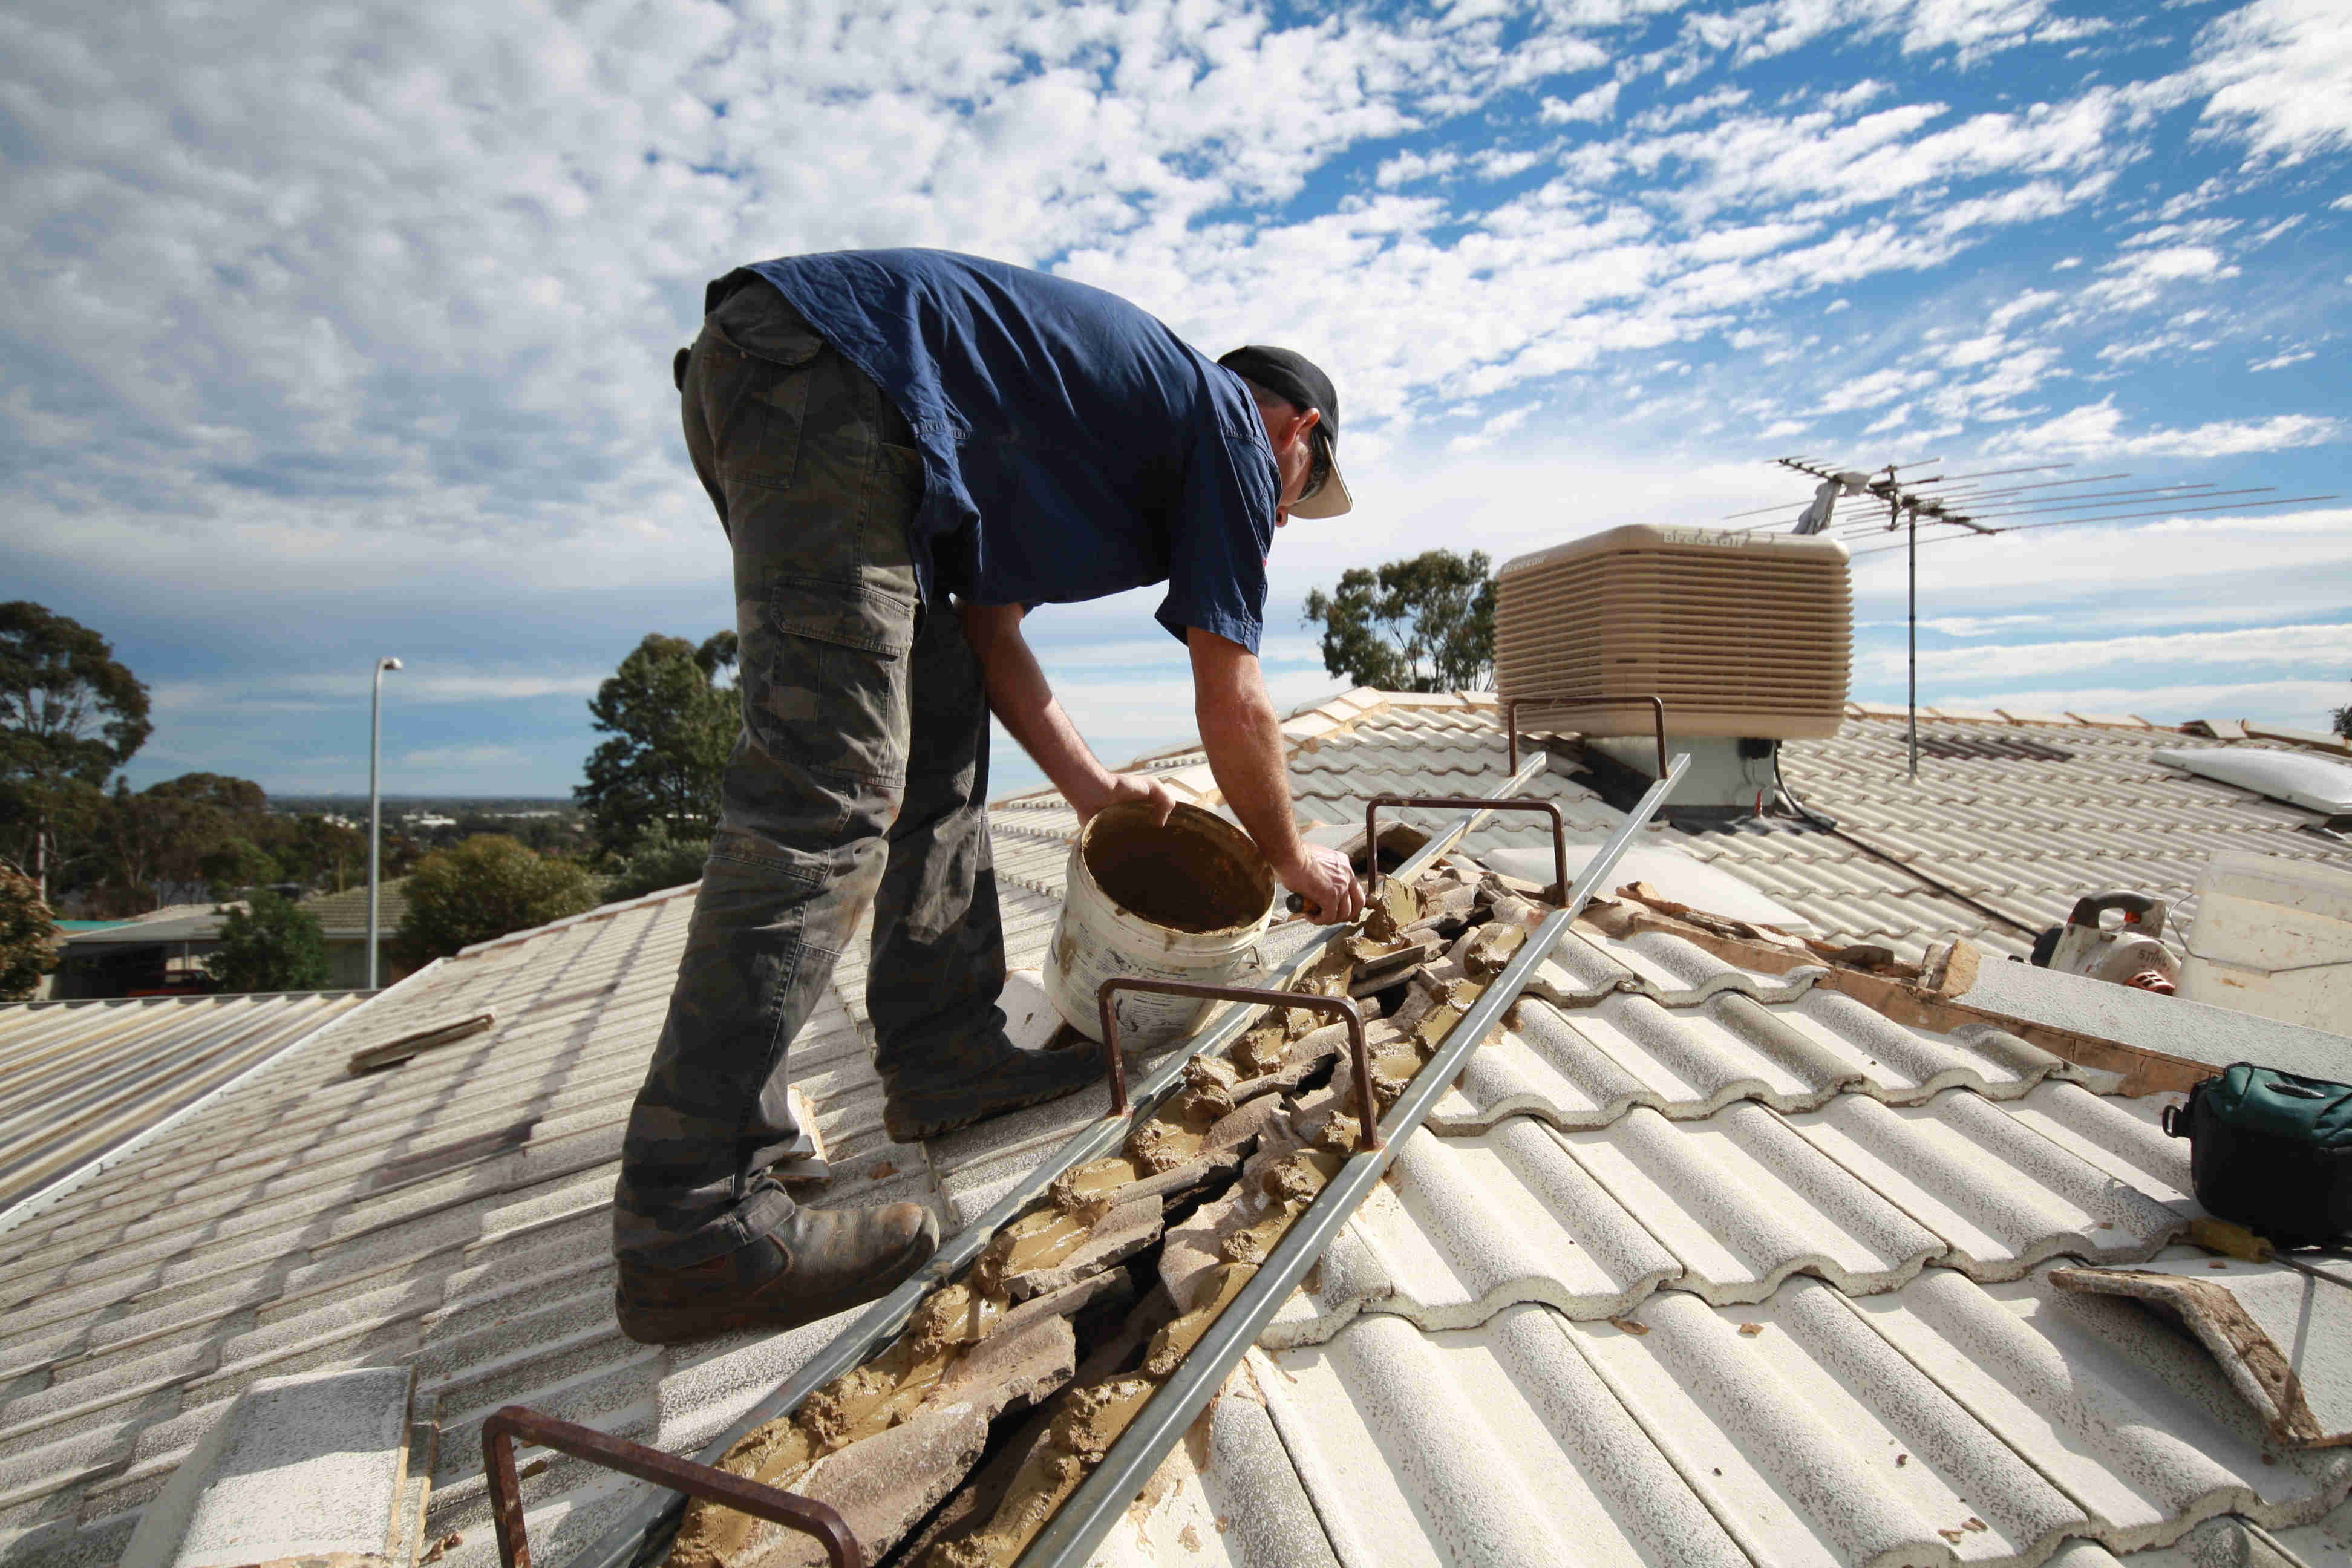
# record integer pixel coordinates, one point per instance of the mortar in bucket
(1187, 900)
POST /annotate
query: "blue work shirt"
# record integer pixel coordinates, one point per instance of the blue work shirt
(1073, 446)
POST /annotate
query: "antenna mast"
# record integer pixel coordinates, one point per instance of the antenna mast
(1904, 506)
(1994, 509)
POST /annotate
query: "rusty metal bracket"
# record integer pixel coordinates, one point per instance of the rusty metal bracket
(1511, 706)
(1339, 1007)
(738, 1492)
(1559, 829)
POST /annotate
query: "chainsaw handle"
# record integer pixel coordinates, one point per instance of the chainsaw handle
(2137, 910)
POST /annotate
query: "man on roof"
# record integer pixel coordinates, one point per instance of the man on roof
(907, 450)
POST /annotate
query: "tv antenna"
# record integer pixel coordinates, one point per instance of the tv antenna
(1975, 506)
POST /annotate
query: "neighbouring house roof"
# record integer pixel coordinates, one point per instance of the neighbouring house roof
(344, 915)
(77, 1079)
(1719, 1146)
(172, 923)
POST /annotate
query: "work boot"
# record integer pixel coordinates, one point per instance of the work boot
(989, 1079)
(817, 1263)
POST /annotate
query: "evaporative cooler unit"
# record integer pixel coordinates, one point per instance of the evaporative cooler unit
(1745, 636)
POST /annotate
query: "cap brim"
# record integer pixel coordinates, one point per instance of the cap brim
(1331, 500)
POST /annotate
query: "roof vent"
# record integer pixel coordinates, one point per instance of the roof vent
(2316, 784)
(1738, 633)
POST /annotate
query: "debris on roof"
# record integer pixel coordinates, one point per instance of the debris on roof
(2282, 1337)
(402, 1047)
(308, 1467)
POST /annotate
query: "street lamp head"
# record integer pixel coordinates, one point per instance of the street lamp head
(388, 663)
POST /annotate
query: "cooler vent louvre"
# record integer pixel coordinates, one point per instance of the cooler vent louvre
(1739, 634)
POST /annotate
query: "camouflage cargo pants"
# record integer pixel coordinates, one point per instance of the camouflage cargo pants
(859, 779)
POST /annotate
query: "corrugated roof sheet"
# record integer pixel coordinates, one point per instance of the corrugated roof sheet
(77, 1079)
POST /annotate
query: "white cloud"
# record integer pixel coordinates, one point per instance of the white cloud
(2282, 360)
(2278, 75)
(1979, 625)
(2296, 703)
(2098, 427)
(1407, 167)
(2208, 568)
(2135, 281)
(446, 760)
(1971, 28)
(2302, 646)
(1594, 104)
(2196, 232)
(339, 691)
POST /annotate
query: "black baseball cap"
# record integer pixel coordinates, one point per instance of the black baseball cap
(1292, 376)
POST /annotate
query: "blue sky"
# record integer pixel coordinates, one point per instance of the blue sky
(333, 331)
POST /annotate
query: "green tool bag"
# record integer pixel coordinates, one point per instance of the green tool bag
(2271, 1151)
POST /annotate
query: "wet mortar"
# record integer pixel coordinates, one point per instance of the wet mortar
(1195, 873)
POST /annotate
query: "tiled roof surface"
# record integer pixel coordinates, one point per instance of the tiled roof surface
(345, 913)
(1698, 1136)
(2023, 817)
(172, 923)
(261, 1236)
(77, 1079)
(1749, 1335)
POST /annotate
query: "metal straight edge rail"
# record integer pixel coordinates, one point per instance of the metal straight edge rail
(1071, 1536)
(641, 1534)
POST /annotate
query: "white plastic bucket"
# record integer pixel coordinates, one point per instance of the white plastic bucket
(1189, 901)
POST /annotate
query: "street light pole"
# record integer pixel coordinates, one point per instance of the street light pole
(375, 804)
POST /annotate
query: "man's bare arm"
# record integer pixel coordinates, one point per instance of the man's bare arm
(1243, 739)
(1023, 701)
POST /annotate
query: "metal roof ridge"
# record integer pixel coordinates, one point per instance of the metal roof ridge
(601, 912)
(2063, 718)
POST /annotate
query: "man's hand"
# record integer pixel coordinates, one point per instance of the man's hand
(1154, 795)
(1324, 879)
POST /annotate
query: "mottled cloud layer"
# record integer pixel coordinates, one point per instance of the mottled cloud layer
(331, 329)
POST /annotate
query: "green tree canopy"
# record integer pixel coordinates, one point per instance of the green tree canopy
(28, 935)
(236, 864)
(484, 887)
(70, 716)
(181, 830)
(272, 944)
(322, 853)
(673, 716)
(1425, 624)
(660, 861)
